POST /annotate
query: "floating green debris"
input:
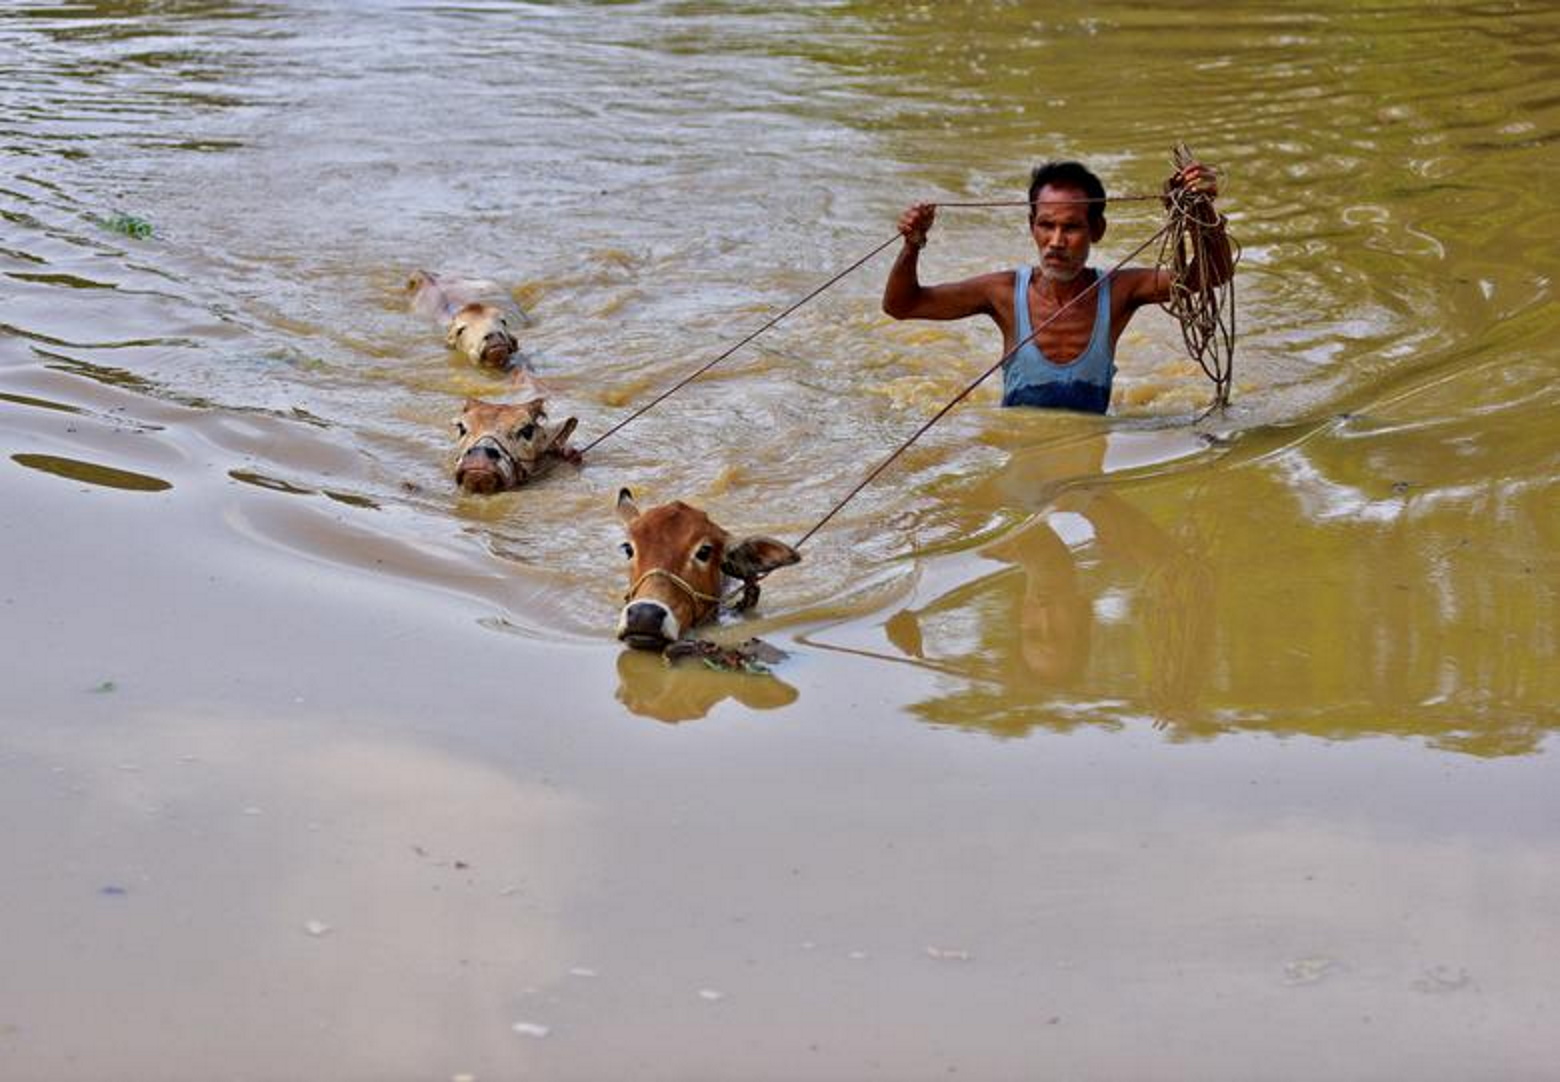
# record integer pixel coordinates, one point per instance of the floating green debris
(105, 687)
(751, 656)
(128, 225)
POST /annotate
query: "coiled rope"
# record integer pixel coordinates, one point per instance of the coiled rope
(696, 373)
(1205, 312)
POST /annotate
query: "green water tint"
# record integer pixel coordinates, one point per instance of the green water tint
(93, 473)
(40, 403)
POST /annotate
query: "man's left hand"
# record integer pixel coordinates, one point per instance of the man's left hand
(1196, 177)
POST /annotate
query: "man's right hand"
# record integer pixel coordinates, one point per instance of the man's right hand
(916, 222)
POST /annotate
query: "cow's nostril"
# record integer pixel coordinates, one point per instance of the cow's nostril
(647, 624)
(491, 452)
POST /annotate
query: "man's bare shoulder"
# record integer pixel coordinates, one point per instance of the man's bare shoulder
(1141, 285)
(999, 279)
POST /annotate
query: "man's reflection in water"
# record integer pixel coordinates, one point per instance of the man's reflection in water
(651, 688)
(1088, 578)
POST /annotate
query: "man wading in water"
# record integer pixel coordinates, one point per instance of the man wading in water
(1070, 363)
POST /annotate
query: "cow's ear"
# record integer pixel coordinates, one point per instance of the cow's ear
(626, 509)
(753, 557)
(561, 437)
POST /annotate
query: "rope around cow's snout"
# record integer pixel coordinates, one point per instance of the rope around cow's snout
(676, 580)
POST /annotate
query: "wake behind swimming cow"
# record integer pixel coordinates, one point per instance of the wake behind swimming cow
(479, 323)
(678, 562)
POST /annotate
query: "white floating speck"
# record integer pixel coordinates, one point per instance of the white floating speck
(463, 1078)
(947, 954)
(809, 945)
(856, 956)
(711, 994)
(531, 1029)
(316, 928)
(1309, 970)
(252, 810)
(581, 971)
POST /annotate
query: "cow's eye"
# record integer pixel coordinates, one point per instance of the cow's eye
(628, 550)
(459, 331)
(525, 432)
(706, 550)
(460, 427)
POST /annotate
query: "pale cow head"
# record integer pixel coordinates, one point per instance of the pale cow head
(481, 333)
(678, 563)
(502, 446)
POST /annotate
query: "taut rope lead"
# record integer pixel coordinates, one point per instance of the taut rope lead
(680, 384)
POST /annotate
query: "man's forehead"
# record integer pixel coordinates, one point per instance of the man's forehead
(1061, 198)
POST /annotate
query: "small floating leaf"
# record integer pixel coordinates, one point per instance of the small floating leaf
(128, 225)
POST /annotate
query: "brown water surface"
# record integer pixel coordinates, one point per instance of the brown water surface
(1159, 745)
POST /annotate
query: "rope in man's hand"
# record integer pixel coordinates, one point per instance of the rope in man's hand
(1202, 286)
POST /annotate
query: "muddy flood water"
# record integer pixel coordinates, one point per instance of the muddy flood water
(1161, 745)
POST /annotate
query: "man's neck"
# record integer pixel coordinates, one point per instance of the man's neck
(1063, 292)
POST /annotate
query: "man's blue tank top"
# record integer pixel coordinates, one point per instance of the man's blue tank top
(1030, 379)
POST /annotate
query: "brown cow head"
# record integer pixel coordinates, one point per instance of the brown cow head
(678, 560)
(481, 333)
(502, 446)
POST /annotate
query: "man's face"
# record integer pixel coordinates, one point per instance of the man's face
(1062, 232)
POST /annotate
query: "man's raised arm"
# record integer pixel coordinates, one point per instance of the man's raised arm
(904, 297)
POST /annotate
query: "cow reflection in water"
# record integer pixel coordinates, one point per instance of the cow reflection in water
(1031, 631)
(651, 688)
